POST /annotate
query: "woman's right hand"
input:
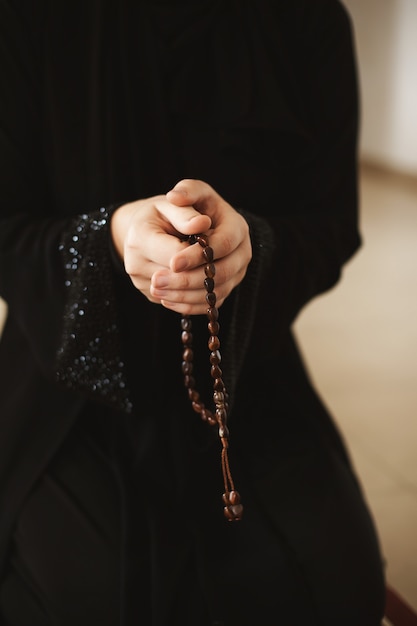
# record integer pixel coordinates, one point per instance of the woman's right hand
(148, 233)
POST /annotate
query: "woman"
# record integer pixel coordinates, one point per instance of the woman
(127, 127)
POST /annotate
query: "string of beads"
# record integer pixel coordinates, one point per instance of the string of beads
(233, 508)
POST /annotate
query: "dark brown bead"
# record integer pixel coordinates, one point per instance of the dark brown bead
(223, 432)
(186, 338)
(219, 397)
(214, 328)
(202, 240)
(213, 343)
(211, 298)
(189, 381)
(234, 497)
(209, 284)
(186, 323)
(233, 513)
(215, 357)
(210, 270)
(188, 355)
(193, 395)
(221, 416)
(192, 239)
(211, 419)
(187, 368)
(218, 385)
(208, 254)
(197, 406)
(213, 313)
(215, 371)
(228, 514)
(236, 510)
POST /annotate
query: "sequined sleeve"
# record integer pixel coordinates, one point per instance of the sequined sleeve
(89, 358)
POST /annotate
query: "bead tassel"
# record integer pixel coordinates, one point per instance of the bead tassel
(233, 508)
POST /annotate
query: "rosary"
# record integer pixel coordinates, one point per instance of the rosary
(233, 509)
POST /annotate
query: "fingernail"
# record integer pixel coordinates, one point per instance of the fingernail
(181, 265)
(160, 282)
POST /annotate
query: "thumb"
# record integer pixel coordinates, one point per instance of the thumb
(193, 192)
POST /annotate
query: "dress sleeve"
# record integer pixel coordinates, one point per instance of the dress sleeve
(313, 220)
(57, 274)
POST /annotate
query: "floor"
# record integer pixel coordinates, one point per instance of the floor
(360, 343)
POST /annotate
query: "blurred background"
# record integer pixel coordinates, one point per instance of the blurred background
(360, 339)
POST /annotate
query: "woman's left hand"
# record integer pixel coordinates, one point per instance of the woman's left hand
(181, 286)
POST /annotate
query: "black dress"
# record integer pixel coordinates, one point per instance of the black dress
(110, 487)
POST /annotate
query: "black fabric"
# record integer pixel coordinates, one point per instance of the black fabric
(104, 103)
(95, 503)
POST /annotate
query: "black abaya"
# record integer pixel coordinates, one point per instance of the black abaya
(102, 461)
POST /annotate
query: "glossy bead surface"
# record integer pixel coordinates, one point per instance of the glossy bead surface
(188, 354)
(202, 240)
(186, 323)
(214, 343)
(210, 270)
(186, 337)
(209, 284)
(213, 313)
(214, 328)
(208, 254)
(215, 371)
(211, 298)
(215, 357)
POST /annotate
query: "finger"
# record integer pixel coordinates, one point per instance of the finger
(186, 308)
(189, 191)
(175, 286)
(185, 219)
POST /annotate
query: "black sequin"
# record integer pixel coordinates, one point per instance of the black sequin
(89, 357)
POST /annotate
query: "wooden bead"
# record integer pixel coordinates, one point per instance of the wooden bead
(211, 419)
(221, 416)
(210, 270)
(202, 240)
(214, 343)
(189, 381)
(218, 385)
(187, 368)
(223, 432)
(187, 337)
(219, 397)
(215, 357)
(215, 371)
(213, 314)
(193, 395)
(188, 355)
(186, 323)
(208, 254)
(214, 327)
(209, 284)
(234, 497)
(211, 298)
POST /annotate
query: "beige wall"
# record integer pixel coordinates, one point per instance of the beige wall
(386, 41)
